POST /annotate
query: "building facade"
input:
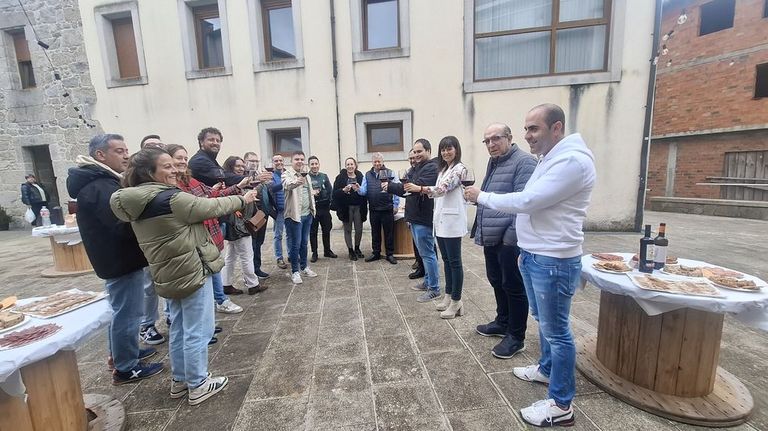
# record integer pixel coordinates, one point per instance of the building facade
(340, 78)
(45, 106)
(710, 120)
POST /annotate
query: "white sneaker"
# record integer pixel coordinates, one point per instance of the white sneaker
(530, 373)
(229, 307)
(210, 387)
(309, 273)
(546, 413)
(179, 389)
(296, 278)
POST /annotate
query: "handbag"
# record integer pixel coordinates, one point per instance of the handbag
(256, 222)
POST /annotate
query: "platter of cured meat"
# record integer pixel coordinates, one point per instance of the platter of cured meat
(26, 336)
(59, 303)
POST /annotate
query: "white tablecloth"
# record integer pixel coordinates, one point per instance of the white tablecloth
(60, 234)
(76, 328)
(751, 308)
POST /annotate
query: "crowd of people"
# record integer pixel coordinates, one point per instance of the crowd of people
(159, 223)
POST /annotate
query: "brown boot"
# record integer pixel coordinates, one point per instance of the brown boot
(229, 290)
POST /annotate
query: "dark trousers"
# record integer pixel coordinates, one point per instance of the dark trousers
(450, 249)
(323, 220)
(504, 275)
(36, 209)
(257, 241)
(383, 219)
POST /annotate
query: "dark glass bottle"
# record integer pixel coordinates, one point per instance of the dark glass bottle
(660, 244)
(645, 261)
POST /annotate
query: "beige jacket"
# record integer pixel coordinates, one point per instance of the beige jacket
(291, 186)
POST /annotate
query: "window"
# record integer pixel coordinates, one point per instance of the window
(765, 9)
(285, 142)
(205, 38)
(23, 59)
(716, 15)
(518, 38)
(122, 52)
(380, 23)
(380, 29)
(277, 21)
(284, 136)
(386, 132)
(761, 80)
(384, 137)
(125, 47)
(210, 53)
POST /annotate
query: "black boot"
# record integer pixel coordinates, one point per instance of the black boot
(314, 257)
(352, 254)
(359, 253)
(416, 274)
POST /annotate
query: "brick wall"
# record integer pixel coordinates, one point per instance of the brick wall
(699, 92)
(697, 158)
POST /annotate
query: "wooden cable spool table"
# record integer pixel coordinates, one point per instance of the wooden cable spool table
(403, 239)
(69, 256)
(664, 362)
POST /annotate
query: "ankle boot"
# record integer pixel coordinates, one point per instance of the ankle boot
(443, 305)
(352, 254)
(455, 308)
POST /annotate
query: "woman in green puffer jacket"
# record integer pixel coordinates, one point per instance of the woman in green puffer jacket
(168, 224)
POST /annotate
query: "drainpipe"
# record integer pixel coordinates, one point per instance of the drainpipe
(649, 102)
(335, 76)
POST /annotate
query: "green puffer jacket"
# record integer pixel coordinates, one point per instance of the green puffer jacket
(168, 224)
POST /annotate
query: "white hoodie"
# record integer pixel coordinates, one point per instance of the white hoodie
(552, 207)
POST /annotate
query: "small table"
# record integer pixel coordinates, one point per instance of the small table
(403, 238)
(47, 369)
(660, 352)
(69, 256)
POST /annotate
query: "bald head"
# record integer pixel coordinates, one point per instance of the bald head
(497, 139)
(544, 125)
(552, 113)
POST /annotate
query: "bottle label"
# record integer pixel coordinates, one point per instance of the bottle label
(660, 254)
(650, 253)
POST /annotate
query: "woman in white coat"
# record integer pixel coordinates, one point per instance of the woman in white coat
(450, 223)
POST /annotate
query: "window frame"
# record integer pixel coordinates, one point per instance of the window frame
(362, 134)
(104, 16)
(357, 10)
(365, 27)
(199, 15)
(764, 80)
(612, 72)
(267, 129)
(20, 34)
(369, 127)
(701, 18)
(259, 42)
(277, 134)
(266, 6)
(189, 39)
(120, 66)
(553, 28)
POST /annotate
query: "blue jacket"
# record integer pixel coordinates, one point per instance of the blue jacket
(277, 189)
(504, 174)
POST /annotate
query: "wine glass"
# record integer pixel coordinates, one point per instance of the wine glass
(270, 167)
(404, 179)
(304, 171)
(468, 179)
(383, 176)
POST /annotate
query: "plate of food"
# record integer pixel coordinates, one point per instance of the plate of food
(733, 283)
(608, 257)
(683, 270)
(612, 266)
(677, 287)
(10, 321)
(671, 260)
(717, 271)
(26, 336)
(59, 303)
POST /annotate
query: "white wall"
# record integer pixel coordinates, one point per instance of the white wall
(429, 82)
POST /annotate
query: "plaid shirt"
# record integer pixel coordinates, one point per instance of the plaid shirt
(199, 189)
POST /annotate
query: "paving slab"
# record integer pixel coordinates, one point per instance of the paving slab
(216, 413)
(272, 414)
(493, 419)
(408, 407)
(393, 359)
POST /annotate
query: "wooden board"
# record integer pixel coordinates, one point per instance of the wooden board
(14, 415)
(68, 260)
(403, 241)
(729, 404)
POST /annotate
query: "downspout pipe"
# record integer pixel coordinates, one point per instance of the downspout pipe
(647, 125)
(335, 77)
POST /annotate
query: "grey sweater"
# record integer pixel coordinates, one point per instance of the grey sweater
(505, 174)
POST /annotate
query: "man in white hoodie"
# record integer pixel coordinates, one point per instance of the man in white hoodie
(550, 214)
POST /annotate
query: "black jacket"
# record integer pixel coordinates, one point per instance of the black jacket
(418, 207)
(342, 201)
(110, 243)
(323, 183)
(31, 195)
(377, 200)
(207, 170)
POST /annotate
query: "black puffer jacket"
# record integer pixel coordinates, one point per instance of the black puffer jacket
(342, 201)
(110, 243)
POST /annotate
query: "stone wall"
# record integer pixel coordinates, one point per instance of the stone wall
(43, 115)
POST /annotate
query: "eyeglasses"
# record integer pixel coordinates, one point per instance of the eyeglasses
(494, 139)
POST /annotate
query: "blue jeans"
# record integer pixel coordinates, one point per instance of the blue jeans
(425, 242)
(298, 236)
(218, 288)
(150, 301)
(550, 284)
(191, 329)
(278, 230)
(450, 249)
(126, 297)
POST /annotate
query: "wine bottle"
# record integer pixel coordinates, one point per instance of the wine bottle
(660, 244)
(645, 261)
